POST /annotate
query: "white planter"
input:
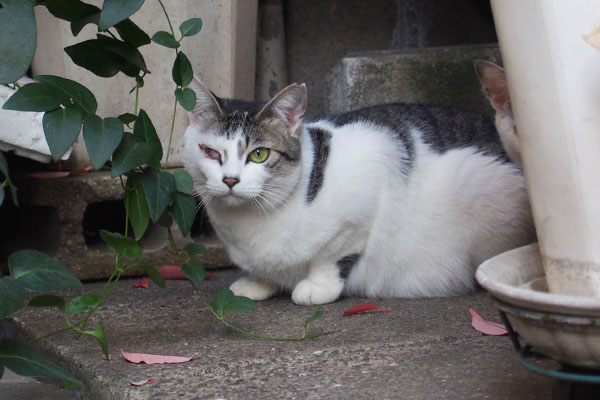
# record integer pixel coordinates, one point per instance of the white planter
(554, 82)
(223, 54)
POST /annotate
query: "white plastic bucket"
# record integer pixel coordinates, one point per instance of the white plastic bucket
(554, 82)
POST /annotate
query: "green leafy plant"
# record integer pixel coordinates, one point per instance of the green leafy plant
(131, 144)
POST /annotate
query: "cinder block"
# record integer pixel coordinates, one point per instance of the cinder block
(440, 75)
(61, 217)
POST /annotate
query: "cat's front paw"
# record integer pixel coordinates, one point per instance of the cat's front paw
(253, 289)
(308, 292)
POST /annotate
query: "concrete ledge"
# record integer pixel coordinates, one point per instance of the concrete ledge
(438, 75)
(421, 349)
(61, 217)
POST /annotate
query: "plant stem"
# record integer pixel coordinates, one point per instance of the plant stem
(167, 15)
(37, 339)
(137, 97)
(171, 133)
(221, 318)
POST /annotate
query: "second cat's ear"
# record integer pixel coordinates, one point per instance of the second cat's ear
(207, 108)
(493, 81)
(288, 106)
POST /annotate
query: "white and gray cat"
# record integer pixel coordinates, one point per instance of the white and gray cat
(397, 200)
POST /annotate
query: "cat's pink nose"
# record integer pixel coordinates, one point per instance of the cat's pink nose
(231, 182)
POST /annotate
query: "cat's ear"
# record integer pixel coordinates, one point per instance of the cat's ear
(493, 81)
(288, 106)
(207, 108)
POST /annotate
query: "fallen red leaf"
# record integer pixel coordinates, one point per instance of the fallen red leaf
(50, 174)
(81, 171)
(211, 277)
(145, 381)
(143, 283)
(138, 358)
(363, 308)
(486, 327)
(171, 272)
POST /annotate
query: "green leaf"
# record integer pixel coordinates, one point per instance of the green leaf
(115, 11)
(194, 249)
(26, 361)
(128, 52)
(165, 39)
(92, 56)
(227, 301)
(132, 34)
(78, 24)
(102, 137)
(61, 128)
(159, 188)
(47, 300)
(38, 272)
(122, 245)
(33, 97)
(81, 303)
(317, 314)
(68, 385)
(182, 70)
(152, 273)
(127, 118)
(129, 154)
(144, 132)
(183, 211)
(11, 296)
(186, 97)
(166, 221)
(99, 334)
(194, 271)
(17, 40)
(69, 10)
(81, 96)
(190, 27)
(136, 205)
(183, 181)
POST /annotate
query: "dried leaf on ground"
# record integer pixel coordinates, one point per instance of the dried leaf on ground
(486, 327)
(363, 308)
(138, 358)
(211, 277)
(173, 272)
(49, 174)
(143, 382)
(142, 283)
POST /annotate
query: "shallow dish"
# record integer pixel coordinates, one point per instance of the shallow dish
(566, 328)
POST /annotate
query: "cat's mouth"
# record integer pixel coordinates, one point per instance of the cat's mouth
(233, 199)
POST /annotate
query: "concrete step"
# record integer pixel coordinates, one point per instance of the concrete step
(421, 349)
(439, 75)
(62, 217)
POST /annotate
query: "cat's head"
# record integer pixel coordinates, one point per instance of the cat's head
(240, 153)
(493, 81)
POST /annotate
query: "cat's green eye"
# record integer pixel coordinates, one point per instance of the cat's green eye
(259, 155)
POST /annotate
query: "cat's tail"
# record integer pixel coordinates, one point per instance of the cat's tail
(493, 81)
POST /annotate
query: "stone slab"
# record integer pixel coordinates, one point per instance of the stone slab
(421, 349)
(438, 75)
